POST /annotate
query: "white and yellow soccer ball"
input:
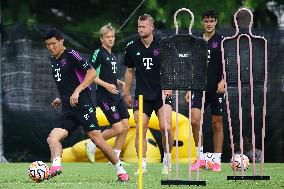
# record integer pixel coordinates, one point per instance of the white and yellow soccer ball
(236, 165)
(38, 171)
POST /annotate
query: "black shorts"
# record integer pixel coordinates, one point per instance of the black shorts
(115, 110)
(79, 116)
(150, 105)
(216, 101)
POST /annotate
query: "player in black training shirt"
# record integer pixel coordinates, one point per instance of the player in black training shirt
(214, 94)
(73, 75)
(142, 57)
(108, 97)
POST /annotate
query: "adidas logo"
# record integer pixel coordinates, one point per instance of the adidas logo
(138, 53)
(92, 126)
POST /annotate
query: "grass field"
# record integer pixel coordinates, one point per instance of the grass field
(102, 176)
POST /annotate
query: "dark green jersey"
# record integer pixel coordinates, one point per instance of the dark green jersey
(106, 67)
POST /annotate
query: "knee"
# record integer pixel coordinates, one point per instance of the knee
(195, 122)
(51, 138)
(145, 128)
(126, 128)
(56, 135)
(217, 125)
(163, 130)
(96, 137)
(118, 129)
(92, 134)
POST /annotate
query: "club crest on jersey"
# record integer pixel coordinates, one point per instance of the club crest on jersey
(156, 52)
(147, 62)
(214, 45)
(63, 62)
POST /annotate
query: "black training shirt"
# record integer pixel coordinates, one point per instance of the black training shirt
(106, 67)
(69, 71)
(146, 62)
(215, 68)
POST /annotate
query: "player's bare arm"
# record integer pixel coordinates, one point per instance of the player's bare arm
(122, 85)
(129, 74)
(221, 86)
(89, 78)
(168, 93)
(186, 97)
(108, 86)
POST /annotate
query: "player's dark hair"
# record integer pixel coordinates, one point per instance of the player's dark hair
(53, 32)
(209, 14)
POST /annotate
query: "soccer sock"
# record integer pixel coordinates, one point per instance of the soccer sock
(117, 152)
(92, 146)
(217, 157)
(200, 153)
(119, 168)
(165, 159)
(143, 163)
(56, 161)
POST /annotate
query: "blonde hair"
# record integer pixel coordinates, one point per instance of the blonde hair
(106, 28)
(146, 17)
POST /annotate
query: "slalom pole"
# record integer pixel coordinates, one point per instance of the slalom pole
(140, 130)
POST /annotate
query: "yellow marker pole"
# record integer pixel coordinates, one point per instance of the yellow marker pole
(140, 139)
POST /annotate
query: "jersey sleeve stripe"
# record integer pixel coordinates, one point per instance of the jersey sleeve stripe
(80, 76)
(98, 70)
(75, 54)
(94, 57)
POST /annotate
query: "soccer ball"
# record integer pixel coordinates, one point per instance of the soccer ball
(236, 165)
(38, 171)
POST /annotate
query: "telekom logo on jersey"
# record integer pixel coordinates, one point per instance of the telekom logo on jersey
(147, 63)
(113, 67)
(57, 75)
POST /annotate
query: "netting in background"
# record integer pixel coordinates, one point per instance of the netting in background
(183, 62)
(275, 115)
(28, 90)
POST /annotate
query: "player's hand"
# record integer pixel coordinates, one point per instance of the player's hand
(56, 103)
(74, 99)
(168, 93)
(112, 88)
(221, 86)
(122, 85)
(128, 100)
(186, 97)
